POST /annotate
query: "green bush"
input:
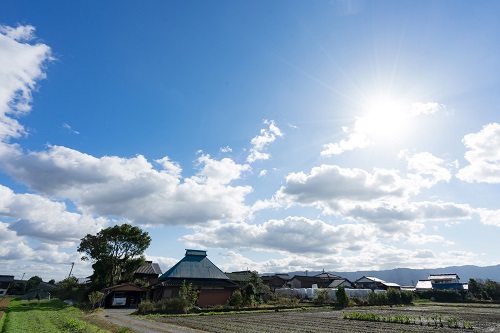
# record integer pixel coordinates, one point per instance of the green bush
(173, 305)
(146, 307)
(280, 300)
(322, 296)
(377, 298)
(442, 295)
(236, 299)
(342, 298)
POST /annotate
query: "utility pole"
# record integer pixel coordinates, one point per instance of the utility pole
(72, 265)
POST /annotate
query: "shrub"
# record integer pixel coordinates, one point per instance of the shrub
(377, 298)
(280, 300)
(95, 299)
(322, 296)
(236, 298)
(342, 298)
(442, 295)
(146, 307)
(173, 305)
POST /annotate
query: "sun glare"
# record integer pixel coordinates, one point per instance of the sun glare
(384, 117)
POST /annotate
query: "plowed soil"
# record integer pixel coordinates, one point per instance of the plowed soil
(483, 318)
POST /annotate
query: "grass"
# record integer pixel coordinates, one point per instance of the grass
(51, 316)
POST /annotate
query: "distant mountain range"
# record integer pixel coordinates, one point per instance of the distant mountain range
(409, 276)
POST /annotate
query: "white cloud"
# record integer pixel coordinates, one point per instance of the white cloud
(429, 169)
(292, 235)
(21, 67)
(220, 171)
(483, 156)
(490, 217)
(226, 149)
(426, 108)
(131, 188)
(70, 129)
(46, 220)
(260, 142)
(356, 139)
(328, 187)
(20, 33)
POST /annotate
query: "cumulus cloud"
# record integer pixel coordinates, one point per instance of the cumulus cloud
(45, 220)
(490, 217)
(328, 187)
(260, 142)
(382, 197)
(483, 155)
(429, 169)
(130, 187)
(21, 67)
(292, 235)
(356, 139)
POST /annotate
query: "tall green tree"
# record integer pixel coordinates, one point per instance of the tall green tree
(116, 252)
(33, 283)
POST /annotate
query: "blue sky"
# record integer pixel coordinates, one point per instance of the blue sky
(276, 135)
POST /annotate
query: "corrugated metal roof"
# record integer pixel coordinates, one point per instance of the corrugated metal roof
(369, 279)
(194, 266)
(423, 285)
(149, 268)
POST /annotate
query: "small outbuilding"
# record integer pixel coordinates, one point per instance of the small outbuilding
(124, 295)
(373, 283)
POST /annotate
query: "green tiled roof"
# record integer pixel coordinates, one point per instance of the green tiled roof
(194, 265)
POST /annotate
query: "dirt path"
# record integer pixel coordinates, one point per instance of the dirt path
(123, 318)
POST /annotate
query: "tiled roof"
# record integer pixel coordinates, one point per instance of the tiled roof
(150, 269)
(125, 287)
(194, 265)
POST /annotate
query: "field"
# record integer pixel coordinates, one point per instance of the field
(483, 319)
(52, 316)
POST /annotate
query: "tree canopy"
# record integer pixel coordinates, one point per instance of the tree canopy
(116, 252)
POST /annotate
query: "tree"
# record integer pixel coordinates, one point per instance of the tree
(342, 298)
(116, 252)
(95, 299)
(33, 283)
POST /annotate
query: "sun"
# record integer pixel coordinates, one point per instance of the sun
(384, 117)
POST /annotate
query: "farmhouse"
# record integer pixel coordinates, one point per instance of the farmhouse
(5, 281)
(373, 283)
(197, 270)
(276, 280)
(148, 273)
(447, 281)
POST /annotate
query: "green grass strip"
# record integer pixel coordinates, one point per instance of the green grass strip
(45, 316)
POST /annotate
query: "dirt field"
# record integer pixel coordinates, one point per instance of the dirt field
(4, 301)
(483, 318)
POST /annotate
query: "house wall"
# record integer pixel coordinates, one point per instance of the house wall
(294, 283)
(213, 297)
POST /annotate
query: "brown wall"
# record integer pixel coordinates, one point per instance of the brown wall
(213, 297)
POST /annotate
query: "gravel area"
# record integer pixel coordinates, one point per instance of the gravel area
(123, 318)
